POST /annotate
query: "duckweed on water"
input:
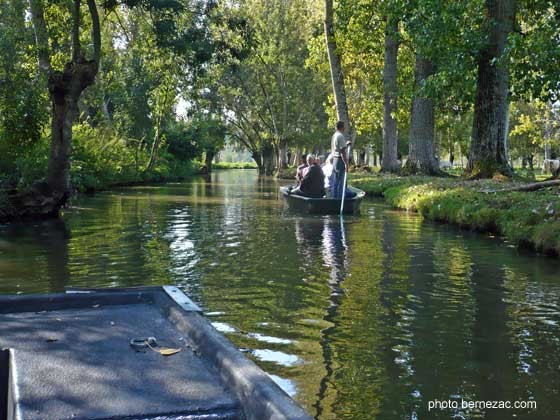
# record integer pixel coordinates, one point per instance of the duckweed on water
(528, 219)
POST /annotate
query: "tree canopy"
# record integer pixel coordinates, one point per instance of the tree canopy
(258, 72)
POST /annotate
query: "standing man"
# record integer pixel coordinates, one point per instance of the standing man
(340, 161)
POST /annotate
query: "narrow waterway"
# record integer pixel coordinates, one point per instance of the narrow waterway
(371, 318)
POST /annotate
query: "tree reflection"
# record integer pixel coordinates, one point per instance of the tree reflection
(48, 268)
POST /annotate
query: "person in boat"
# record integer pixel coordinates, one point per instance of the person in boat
(313, 182)
(340, 161)
(300, 168)
(329, 175)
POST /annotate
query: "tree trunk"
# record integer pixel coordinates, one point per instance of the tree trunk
(282, 154)
(65, 88)
(547, 150)
(208, 158)
(421, 146)
(257, 157)
(362, 157)
(267, 160)
(337, 75)
(154, 149)
(297, 156)
(64, 110)
(389, 160)
(488, 154)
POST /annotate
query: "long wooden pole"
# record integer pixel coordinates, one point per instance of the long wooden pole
(345, 178)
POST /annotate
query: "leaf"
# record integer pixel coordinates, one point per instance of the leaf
(164, 351)
(168, 351)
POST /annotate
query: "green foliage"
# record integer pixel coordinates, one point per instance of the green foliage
(235, 165)
(269, 96)
(31, 163)
(102, 158)
(534, 51)
(22, 96)
(534, 125)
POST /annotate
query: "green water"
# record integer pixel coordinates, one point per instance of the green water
(371, 319)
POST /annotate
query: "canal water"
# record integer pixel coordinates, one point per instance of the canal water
(372, 318)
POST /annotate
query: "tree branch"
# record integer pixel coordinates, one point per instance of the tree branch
(76, 31)
(528, 187)
(41, 35)
(96, 30)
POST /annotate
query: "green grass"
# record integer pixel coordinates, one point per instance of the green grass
(234, 165)
(529, 219)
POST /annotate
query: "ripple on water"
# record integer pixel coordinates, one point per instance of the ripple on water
(275, 356)
(269, 339)
(368, 319)
(223, 327)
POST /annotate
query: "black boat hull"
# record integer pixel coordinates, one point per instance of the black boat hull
(86, 354)
(322, 205)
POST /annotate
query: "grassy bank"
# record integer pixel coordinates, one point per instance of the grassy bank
(528, 219)
(234, 165)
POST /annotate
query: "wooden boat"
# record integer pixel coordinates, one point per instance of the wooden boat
(83, 354)
(322, 205)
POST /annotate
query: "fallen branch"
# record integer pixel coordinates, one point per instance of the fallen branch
(528, 187)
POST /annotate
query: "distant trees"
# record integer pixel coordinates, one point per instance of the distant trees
(270, 100)
(409, 78)
(534, 128)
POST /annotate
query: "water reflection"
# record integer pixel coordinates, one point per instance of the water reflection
(19, 260)
(366, 319)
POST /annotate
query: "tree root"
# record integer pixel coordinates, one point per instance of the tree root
(39, 202)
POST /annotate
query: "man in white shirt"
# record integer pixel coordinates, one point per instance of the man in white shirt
(340, 161)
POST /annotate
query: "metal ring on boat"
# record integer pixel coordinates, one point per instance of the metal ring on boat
(141, 343)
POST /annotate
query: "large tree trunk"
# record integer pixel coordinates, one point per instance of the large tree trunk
(488, 154)
(267, 160)
(257, 157)
(65, 88)
(389, 160)
(337, 75)
(208, 158)
(421, 146)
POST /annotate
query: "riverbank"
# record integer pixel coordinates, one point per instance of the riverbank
(528, 219)
(89, 178)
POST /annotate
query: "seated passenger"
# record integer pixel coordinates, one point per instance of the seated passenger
(310, 162)
(313, 183)
(300, 168)
(328, 171)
